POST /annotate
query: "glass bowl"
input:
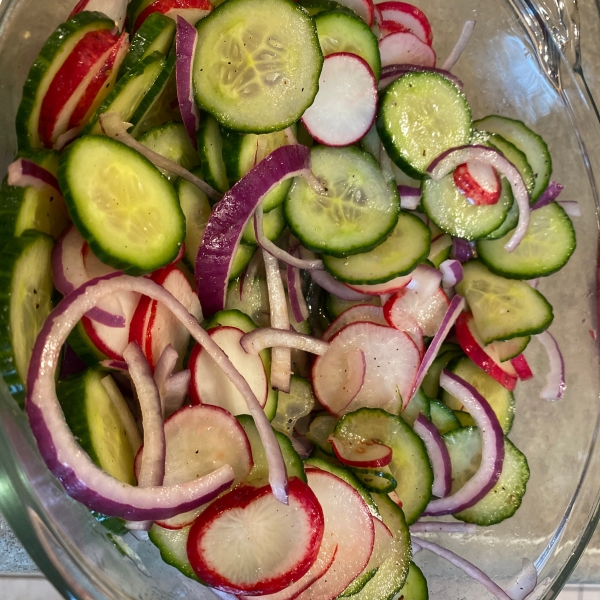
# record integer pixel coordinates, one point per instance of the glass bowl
(523, 62)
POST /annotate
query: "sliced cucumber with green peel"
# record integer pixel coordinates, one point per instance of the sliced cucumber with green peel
(25, 302)
(356, 213)
(42, 209)
(316, 7)
(172, 544)
(342, 32)
(243, 255)
(464, 418)
(453, 213)
(511, 348)
(421, 115)
(336, 306)
(376, 481)
(155, 35)
(410, 464)
(503, 308)
(321, 428)
(503, 500)
(83, 346)
(399, 254)
(510, 222)
(443, 418)
(52, 55)
(254, 301)
(96, 423)
(273, 226)
(547, 246)
(528, 142)
(231, 318)
(415, 586)
(431, 382)
(419, 404)
(210, 150)
(293, 405)
(257, 64)
(122, 205)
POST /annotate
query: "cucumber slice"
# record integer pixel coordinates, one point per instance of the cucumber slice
(410, 464)
(273, 226)
(443, 418)
(512, 218)
(422, 115)
(172, 544)
(155, 35)
(399, 254)
(257, 64)
(52, 55)
(254, 303)
(25, 302)
(419, 404)
(320, 430)
(415, 587)
(96, 423)
(122, 205)
(210, 149)
(379, 482)
(454, 214)
(336, 306)
(83, 346)
(171, 141)
(500, 399)
(511, 348)
(503, 308)
(293, 405)
(231, 318)
(503, 500)
(355, 215)
(341, 32)
(431, 382)
(547, 246)
(530, 143)
(464, 418)
(42, 209)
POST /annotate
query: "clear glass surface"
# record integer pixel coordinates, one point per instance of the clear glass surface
(523, 61)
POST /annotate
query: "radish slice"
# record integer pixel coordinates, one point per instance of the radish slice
(380, 289)
(349, 524)
(247, 542)
(113, 9)
(452, 273)
(409, 16)
(492, 449)
(438, 455)
(461, 44)
(257, 340)
(478, 182)
(382, 546)
(392, 363)
(363, 8)
(387, 27)
(345, 106)
(361, 312)
(405, 48)
(26, 173)
(209, 385)
(356, 369)
(521, 366)
(365, 455)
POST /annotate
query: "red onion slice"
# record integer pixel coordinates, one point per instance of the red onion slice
(81, 478)
(524, 582)
(114, 127)
(454, 309)
(164, 368)
(185, 47)
(448, 161)
(175, 390)
(268, 337)
(25, 173)
(462, 250)
(229, 217)
(443, 527)
(571, 207)
(452, 272)
(468, 567)
(409, 197)
(492, 449)
(555, 379)
(550, 194)
(461, 44)
(297, 300)
(438, 455)
(390, 73)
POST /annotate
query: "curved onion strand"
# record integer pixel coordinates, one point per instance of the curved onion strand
(268, 337)
(461, 44)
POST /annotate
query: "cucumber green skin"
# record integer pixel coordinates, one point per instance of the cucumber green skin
(512, 218)
(431, 382)
(336, 306)
(375, 481)
(172, 547)
(241, 259)
(443, 418)
(154, 26)
(464, 418)
(46, 57)
(358, 584)
(415, 587)
(419, 404)
(209, 135)
(10, 257)
(316, 7)
(231, 318)
(84, 347)
(516, 157)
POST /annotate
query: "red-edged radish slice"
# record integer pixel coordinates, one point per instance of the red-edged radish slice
(361, 312)
(248, 542)
(209, 384)
(349, 524)
(191, 10)
(392, 364)
(521, 366)
(154, 327)
(345, 106)
(365, 455)
(478, 182)
(405, 48)
(388, 27)
(408, 15)
(382, 546)
(363, 8)
(484, 357)
(380, 289)
(356, 369)
(113, 9)
(200, 439)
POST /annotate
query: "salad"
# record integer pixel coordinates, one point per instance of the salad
(271, 287)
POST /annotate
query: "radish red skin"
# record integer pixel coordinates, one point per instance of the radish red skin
(384, 460)
(470, 188)
(408, 15)
(164, 6)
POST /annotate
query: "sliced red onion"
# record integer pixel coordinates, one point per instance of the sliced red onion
(438, 455)
(164, 368)
(462, 250)
(152, 467)
(461, 44)
(26, 173)
(249, 274)
(555, 379)
(229, 217)
(550, 194)
(267, 337)
(303, 450)
(442, 527)
(452, 272)
(524, 582)
(463, 564)
(297, 300)
(454, 309)
(185, 47)
(175, 391)
(448, 161)
(571, 207)
(81, 478)
(409, 197)
(114, 127)
(390, 73)
(492, 449)
(117, 365)
(281, 357)
(534, 282)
